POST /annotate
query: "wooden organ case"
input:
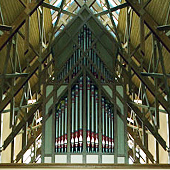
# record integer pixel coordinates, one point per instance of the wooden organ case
(84, 118)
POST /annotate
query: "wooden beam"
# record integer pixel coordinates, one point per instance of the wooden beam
(14, 75)
(148, 107)
(112, 9)
(22, 81)
(5, 27)
(20, 125)
(146, 3)
(46, 5)
(139, 142)
(20, 20)
(164, 28)
(30, 45)
(147, 124)
(145, 80)
(152, 25)
(158, 75)
(25, 148)
(23, 3)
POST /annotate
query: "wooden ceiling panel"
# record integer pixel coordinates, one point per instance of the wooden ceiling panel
(11, 10)
(158, 10)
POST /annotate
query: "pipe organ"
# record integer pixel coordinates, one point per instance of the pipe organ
(92, 122)
(84, 105)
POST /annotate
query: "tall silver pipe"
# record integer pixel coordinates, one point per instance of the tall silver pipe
(74, 61)
(65, 128)
(70, 64)
(87, 40)
(82, 47)
(92, 58)
(79, 42)
(59, 130)
(79, 51)
(96, 118)
(103, 127)
(110, 135)
(67, 66)
(101, 69)
(56, 131)
(90, 43)
(112, 119)
(81, 114)
(92, 118)
(76, 118)
(84, 32)
(84, 43)
(106, 125)
(88, 114)
(76, 58)
(62, 126)
(72, 123)
(98, 62)
(95, 62)
(65, 69)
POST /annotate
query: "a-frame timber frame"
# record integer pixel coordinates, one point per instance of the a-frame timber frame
(146, 114)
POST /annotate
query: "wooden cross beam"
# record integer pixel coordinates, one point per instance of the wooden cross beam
(20, 20)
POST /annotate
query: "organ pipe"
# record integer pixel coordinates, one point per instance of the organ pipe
(72, 124)
(103, 127)
(76, 119)
(110, 137)
(65, 135)
(62, 127)
(88, 114)
(106, 125)
(84, 42)
(57, 131)
(81, 114)
(96, 124)
(92, 118)
(112, 119)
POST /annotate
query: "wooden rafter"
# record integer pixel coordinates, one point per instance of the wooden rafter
(17, 24)
(150, 23)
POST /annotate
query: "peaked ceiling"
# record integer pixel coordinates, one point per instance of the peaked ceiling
(142, 32)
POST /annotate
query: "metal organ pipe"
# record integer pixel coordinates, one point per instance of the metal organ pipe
(106, 125)
(103, 127)
(112, 120)
(81, 114)
(92, 118)
(90, 43)
(74, 61)
(110, 137)
(84, 40)
(95, 61)
(57, 131)
(96, 127)
(76, 118)
(88, 114)
(87, 38)
(79, 51)
(62, 127)
(65, 135)
(72, 122)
